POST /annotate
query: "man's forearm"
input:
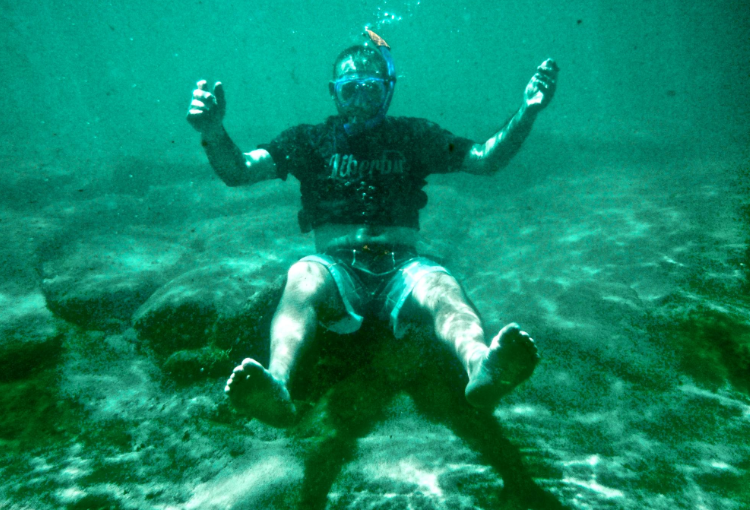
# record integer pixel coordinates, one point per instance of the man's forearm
(233, 166)
(226, 158)
(496, 152)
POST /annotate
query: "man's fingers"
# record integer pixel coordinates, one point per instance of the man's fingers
(206, 109)
(542, 81)
(546, 71)
(203, 100)
(202, 95)
(549, 64)
(197, 104)
(539, 83)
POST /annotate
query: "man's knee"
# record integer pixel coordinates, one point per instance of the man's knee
(439, 296)
(436, 290)
(310, 283)
(307, 278)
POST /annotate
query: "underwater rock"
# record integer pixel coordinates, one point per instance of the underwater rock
(98, 283)
(33, 182)
(197, 201)
(272, 235)
(188, 365)
(217, 305)
(87, 211)
(21, 236)
(30, 335)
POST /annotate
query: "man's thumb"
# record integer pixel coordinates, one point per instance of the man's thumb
(219, 94)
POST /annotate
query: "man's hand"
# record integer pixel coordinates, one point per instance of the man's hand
(206, 111)
(541, 89)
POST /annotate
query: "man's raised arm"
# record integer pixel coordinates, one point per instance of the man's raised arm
(496, 152)
(235, 168)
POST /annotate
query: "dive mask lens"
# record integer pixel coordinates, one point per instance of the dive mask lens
(365, 90)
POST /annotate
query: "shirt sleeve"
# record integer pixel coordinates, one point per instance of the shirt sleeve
(291, 150)
(439, 150)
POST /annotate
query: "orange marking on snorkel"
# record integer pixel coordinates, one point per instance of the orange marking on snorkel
(379, 41)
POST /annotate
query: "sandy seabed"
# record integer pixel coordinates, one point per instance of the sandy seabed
(631, 279)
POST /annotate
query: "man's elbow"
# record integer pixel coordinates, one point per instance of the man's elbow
(233, 180)
(478, 163)
(234, 184)
(491, 168)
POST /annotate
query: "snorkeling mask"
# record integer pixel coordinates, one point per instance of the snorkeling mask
(361, 82)
(352, 90)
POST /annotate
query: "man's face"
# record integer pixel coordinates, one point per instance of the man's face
(360, 87)
(359, 97)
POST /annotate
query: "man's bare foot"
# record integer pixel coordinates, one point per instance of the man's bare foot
(511, 359)
(256, 393)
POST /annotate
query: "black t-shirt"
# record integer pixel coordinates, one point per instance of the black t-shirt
(375, 178)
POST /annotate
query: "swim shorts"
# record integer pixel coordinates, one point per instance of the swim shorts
(375, 282)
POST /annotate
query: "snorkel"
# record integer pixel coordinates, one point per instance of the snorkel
(354, 128)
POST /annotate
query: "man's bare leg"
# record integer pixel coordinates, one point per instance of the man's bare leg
(262, 393)
(493, 370)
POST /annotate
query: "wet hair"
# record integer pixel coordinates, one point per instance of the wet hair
(366, 58)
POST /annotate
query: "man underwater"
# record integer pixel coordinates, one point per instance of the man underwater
(361, 176)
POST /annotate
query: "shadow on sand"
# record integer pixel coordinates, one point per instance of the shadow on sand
(351, 380)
